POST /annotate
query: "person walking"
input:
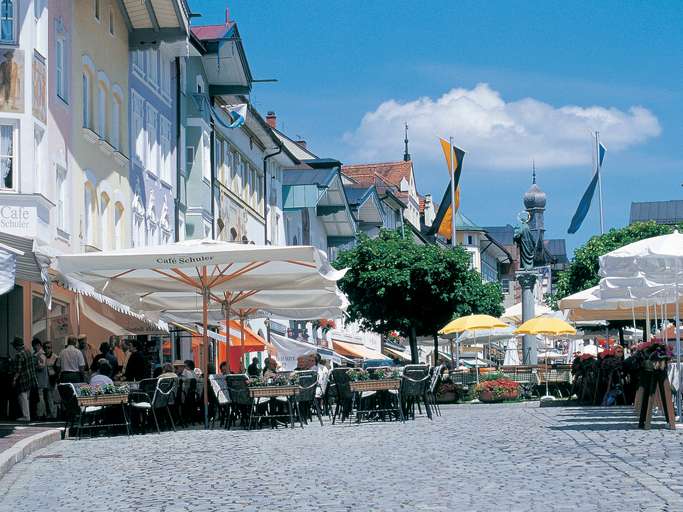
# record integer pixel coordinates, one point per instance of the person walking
(24, 377)
(71, 363)
(43, 381)
(137, 367)
(52, 374)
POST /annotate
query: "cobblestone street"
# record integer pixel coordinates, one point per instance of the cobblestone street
(475, 457)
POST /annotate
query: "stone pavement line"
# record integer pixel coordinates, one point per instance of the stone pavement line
(474, 458)
(26, 445)
(651, 483)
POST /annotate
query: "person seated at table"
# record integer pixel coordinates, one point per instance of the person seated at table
(167, 372)
(106, 353)
(101, 376)
(253, 369)
(181, 370)
(224, 369)
(270, 371)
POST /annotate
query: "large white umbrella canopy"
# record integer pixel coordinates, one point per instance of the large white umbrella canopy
(656, 258)
(210, 267)
(648, 269)
(511, 354)
(513, 314)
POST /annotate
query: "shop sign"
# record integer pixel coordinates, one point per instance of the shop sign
(19, 220)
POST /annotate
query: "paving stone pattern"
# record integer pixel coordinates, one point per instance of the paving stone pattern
(516, 457)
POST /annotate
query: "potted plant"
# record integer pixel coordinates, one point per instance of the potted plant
(497, 390)
(446, 392)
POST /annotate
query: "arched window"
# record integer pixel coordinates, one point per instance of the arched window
(86, 99)
(115, 134)
(102, 110)
(118, 225)
(105, 222)
(89, 214)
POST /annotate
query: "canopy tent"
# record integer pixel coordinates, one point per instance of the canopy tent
(398, 355)
(513, 314)
(220, 271)
(118, 323)
(355, 351)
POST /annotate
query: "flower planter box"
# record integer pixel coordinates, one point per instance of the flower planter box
(101, 400)
(489, 397)
(446, 398)
(375, 385)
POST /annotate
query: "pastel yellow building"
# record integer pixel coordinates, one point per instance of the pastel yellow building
(100, 116)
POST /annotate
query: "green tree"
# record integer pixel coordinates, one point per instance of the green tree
(583, 270)
(395, 284)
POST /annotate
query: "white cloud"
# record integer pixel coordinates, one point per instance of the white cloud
(495, 133)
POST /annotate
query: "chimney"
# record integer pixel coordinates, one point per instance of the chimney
(271, 119)
(227, 17)
(301, 143)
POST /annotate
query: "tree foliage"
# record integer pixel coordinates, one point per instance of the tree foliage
(395, 284)
(583, 270)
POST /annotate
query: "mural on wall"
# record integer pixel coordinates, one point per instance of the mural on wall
(39, 88)
(11, 76)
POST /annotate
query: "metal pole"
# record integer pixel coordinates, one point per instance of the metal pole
(205, 353)
(226, 305)
(454, 238)
(597, 169)
(678, 346)
(241, 341)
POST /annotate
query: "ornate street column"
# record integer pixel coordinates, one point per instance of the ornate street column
(527, 280)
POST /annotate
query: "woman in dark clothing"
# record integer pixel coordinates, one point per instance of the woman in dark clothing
(137, 368)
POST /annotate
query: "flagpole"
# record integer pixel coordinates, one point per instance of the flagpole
(597, 169)
(452, 167)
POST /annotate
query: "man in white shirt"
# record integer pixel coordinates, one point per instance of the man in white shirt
(101, 376)
(71, 362)
(323, 376)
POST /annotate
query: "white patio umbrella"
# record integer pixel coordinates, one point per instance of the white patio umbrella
(210, 268)
(513, 314)
(654, 264)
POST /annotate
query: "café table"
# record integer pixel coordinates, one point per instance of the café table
(271, 393)
(376, 386)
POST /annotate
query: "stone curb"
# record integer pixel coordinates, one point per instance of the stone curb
(25, 447)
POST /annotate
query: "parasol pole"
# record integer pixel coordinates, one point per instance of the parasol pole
(242, 340)
(678, 345)
(226, 305)
(205, 353)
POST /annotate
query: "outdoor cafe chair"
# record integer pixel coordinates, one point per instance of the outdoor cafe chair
(74, 414)
(433, 387)
(343, 406)
(414, 384)
(220, 398)
(155, 394)
(241, 403)
(308, 383)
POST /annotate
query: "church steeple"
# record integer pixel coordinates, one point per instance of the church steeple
(406, 155)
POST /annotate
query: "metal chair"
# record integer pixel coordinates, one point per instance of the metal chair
(72, 411)
(155, 394)
(241, 402)
(308, 383)
(220, 397)
(414, 383)
(434, 386)
(343, 395)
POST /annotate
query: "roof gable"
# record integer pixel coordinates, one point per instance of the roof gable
(391, 172)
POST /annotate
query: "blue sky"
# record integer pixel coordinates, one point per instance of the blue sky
(513, 81)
